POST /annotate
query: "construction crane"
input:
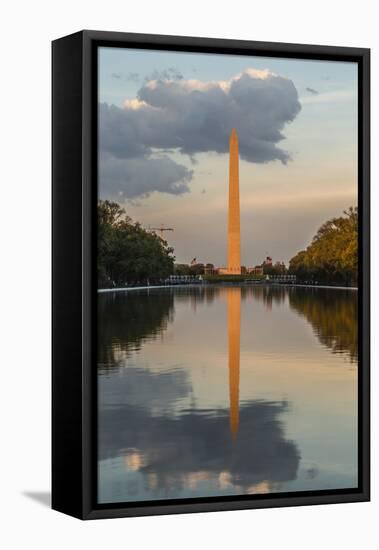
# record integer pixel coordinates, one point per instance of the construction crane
(161, 229)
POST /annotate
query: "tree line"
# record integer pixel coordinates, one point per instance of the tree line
(332, 256)
(126, 252)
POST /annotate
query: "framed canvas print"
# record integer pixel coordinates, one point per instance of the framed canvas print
(210, 274)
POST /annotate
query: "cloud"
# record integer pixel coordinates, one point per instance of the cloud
(116, 75)
(139, 385)
(176, 449)
(139, 177)
(192, 116)
(312, 91)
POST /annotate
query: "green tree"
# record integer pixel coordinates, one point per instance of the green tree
(332, 256)
(182, 269)
(127, 253)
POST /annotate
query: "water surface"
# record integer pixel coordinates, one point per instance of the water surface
(209, 391)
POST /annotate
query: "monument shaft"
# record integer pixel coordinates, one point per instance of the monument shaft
(234, 239)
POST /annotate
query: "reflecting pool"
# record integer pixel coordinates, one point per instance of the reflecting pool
(224, 390)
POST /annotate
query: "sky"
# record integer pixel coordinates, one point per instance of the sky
(164, 124)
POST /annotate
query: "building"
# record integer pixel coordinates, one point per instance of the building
(267, 262)
(256, 270)
(210, 269)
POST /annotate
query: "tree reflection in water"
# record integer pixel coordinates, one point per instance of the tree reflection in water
(333, 314)
(125, 321)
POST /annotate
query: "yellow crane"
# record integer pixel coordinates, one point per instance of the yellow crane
(161, 229)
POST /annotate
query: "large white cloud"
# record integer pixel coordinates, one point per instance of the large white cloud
(191, 116)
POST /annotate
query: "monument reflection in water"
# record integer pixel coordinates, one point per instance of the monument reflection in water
(234, 331)
(209, 391)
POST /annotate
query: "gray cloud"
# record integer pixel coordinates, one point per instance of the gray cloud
(312, 91)
(138, 177)
(139, 385)
(192, 117)
(175, 446)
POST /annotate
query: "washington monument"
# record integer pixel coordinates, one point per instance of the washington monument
(234, 239)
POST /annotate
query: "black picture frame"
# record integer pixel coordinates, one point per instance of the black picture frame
(74, 173)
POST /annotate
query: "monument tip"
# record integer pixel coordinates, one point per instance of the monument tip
(233, 136)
